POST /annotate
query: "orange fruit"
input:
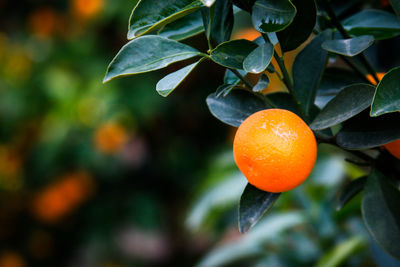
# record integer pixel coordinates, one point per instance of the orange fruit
(87, 8)
(248, 33)
(110, 138)
(11, 259)
(275, 150)
(394, 148)
(379, 75)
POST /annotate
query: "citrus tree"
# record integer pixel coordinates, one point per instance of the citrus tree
(355, 110)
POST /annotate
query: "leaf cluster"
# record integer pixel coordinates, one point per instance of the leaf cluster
(359, 117)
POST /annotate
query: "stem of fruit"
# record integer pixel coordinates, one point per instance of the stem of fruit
(339, 26)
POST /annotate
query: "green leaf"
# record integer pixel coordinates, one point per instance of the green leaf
(246, 5)
(387, 94)
(151, 14)
(301, 27)
(231, 54)
(258, 60)
(333, 81)
(349, 47)
(396, 6)
(349, 102)
(148, 53)
(272, 15)
(380, 24)
(308, 68)
(350, 191)
(283, 100)
(262, 83)
(208, 3)
(183, 28)
(222, 22)
(167, 84)
(381, 213)
(341, 252)
(363, 131)
(234, 108)
(254, 203)
(231, 78)
(224, 90)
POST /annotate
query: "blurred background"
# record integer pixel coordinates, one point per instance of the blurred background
(115, 175)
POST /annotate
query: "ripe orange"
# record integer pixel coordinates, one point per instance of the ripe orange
(87, 8)
(379, 75)
(394, 148)
(275, 150)
(110, 138)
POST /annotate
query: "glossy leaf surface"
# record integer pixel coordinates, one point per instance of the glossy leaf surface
(387, 94)
(380, 24)
(254, 203)
(234, 108)
(151, 14)
(231, 54)
(349, 102)
(258, 60)
(272, 15)
(167, 84)
(362, 131)
(301, 27)
(183, 28)
(349, 47)
(148, 53)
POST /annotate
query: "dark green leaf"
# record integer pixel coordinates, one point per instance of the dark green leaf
(349, 47)
(234, 108)
(350, 191)
(387, 95)
(148, 53)
(231, 78)
(363, 132)
(183, 28)
(258, 60)
(396, 6)
(254, 203)
(222, 22)
(272, 15)
(301, 27)
(283, 100)
(381, 213)
(333, 81)
(349, 102)
(167, 84)
(380, 24)
(151, 14)
(262, 83)
(307, 70)
(244, 4)
(231, 54)
(224, 90)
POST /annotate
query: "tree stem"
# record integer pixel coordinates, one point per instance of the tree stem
(243, 79)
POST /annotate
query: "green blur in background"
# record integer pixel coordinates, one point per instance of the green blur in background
(116, 175)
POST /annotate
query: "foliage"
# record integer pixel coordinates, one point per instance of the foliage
(345, 122)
